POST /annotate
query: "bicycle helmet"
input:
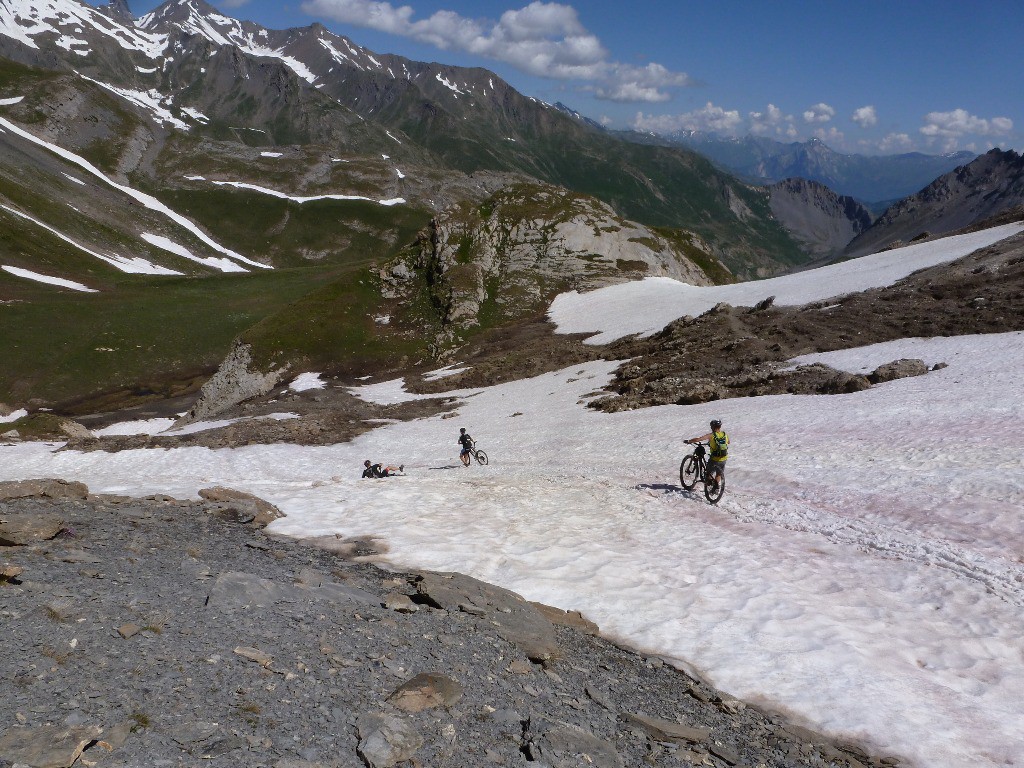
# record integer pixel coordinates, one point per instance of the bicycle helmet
(716, 424)
(462, 430)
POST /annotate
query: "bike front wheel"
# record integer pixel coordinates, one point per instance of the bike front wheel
(714, 492)
(481, 457)
(689, 473)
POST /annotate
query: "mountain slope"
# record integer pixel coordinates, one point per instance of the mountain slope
(202, 72)
(816, 216)
(986, 187)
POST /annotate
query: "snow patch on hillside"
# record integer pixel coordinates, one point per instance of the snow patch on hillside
(614, 312)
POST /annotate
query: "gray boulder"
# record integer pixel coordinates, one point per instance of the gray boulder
(898, 369)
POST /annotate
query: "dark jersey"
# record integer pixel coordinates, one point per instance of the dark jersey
(466, 441)
(374, 470)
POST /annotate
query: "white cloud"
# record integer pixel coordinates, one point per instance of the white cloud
(542, 39)
(772, 121)
(865, 117)
(831, 136)
(896, 142)
(947, 128)
(629, 83)
(819, 113)
(708, 118)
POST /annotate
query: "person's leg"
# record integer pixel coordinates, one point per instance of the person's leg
(717, 472)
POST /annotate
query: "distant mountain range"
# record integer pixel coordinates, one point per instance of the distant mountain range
(875, 180)
(174, 184)
(201, 74)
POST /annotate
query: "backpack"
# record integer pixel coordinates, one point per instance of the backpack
(719, 446)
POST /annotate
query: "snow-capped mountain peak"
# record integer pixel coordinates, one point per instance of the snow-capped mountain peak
(76, 27)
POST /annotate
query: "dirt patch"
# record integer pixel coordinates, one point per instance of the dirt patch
(510, 353)
(321, 417)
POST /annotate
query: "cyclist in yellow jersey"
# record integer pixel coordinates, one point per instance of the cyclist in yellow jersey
(718, 442)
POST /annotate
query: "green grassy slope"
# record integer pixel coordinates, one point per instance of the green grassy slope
(148, 335)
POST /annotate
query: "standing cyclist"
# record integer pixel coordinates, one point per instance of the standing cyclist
(718, 442)
(466, 442)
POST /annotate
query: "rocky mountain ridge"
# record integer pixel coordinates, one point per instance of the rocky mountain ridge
(198, 71)
(985, 187)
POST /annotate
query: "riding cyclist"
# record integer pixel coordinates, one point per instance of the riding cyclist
(718, 442)
(467, 443)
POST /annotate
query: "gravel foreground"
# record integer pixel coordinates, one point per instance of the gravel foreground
(158, 632)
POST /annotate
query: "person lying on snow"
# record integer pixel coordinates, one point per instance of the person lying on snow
(377, 470)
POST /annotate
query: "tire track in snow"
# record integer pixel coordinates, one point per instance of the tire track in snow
(819, 511)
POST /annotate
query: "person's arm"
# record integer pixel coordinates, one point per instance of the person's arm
(699, 439)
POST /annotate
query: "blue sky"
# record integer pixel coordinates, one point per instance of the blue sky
(869, 77)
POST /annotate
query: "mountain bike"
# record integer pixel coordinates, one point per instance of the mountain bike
(480, 456)
(694, 469)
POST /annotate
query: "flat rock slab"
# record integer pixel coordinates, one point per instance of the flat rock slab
(573, 619)
(561, 746)
(236, 589)
(666, 730)
(47, 746)
(49, 488)
(262, 512)
(426, 691)
(19, 530)
(515, 619)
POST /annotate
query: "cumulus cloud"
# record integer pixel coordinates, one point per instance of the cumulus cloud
(896, 142)
(772, 121)
(628, 83)
(865, 117)
(708, 118)
(831, 135)
(232, 3)
(542, 38)
(819, 113)
(947, 128)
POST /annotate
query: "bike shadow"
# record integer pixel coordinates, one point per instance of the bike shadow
(446, 466)
(668, 489)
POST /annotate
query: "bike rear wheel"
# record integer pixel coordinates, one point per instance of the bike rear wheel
(481, 457)
(689, 473)
(714, 492)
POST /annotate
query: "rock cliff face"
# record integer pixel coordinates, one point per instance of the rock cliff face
(235, 381)
(512, 254)
(823, 221)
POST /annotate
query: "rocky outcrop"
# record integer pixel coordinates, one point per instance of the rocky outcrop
(235, 381)
(247, 508)
(48, 488)
(509, 256)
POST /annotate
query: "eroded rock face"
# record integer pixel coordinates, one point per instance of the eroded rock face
(529, 242)
(235, 381)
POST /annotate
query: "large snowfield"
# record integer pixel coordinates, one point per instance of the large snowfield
(864, 572)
